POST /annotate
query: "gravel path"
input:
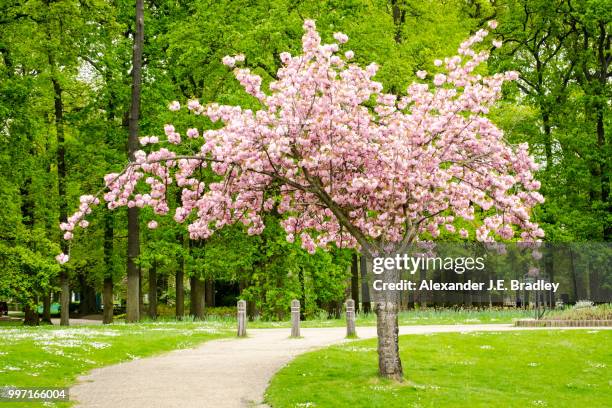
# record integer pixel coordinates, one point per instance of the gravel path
(228, 373)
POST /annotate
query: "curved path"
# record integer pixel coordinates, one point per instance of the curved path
(228, 373)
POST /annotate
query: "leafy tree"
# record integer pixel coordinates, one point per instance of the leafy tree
(346, 163)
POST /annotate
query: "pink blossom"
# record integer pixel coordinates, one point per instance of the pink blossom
(341, 37)
(193, 104)
(152, 224)
(492, 24)
(229, 61)
(62, 258)
(192, 133)
(349, 54)
(327, 139)
(439, 79)
(497, 43)
(285, 57)
(174, 106)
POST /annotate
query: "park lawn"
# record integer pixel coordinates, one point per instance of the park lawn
(51, 356)
(556, 368)
(427, 316)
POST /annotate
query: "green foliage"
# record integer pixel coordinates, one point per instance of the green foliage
(560, 106)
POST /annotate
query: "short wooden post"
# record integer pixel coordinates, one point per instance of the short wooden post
(241, 318)
(295, 318)
(350, 318)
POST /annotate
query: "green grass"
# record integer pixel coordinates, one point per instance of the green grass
(50, 356)
(428, 316)
(561, 368)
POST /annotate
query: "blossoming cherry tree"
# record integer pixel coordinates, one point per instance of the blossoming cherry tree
(345, 163)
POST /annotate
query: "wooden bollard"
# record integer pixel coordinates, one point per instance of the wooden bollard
(350, 318)
(241, 318)
(295, 318)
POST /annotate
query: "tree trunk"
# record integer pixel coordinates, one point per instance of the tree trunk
(162, 288)
(192, 294)
(399, 17)
(197, 298)
(46, 317)
(387, 328)
(302, 280)
(209, 292)
(180, 290)
(365, 289)
(355, 281)
(31, 316)
(133, 274)
(141, 308)
(109, 234)
(601, 108)
(61, 190)
(87, 304)
(64, 299)
(153, 291)
(108, 300)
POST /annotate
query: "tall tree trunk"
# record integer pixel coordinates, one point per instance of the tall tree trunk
(573, 274)
(601, 107)
(399, 17)
(46, 317)
(88, 296)
(61, 191)
(153, 291)
(355, 281)
(109, 234)
(387, 329)
(209, 292)
(192, 295)
(108, 300)
(141, 308)
(365, 289)
(133, 250)
(179, 284)
(302, 279)
(162, 288)
(197, 297)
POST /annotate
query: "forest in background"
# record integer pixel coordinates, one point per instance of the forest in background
(65, 89)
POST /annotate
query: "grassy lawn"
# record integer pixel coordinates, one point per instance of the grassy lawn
(427, 316)
(50, 356)
(563, 368)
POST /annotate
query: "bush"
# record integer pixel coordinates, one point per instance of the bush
(601, 312)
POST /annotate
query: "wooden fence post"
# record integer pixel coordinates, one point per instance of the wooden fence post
(241, 318)
(295, 318)
(350, 318)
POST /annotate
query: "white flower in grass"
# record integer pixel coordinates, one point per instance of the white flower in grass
(99, 345)
(12, 368)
